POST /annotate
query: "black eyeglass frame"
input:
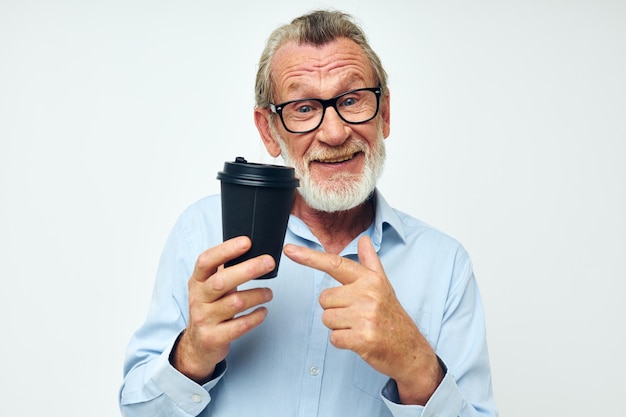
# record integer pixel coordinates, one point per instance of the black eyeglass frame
(331, 102)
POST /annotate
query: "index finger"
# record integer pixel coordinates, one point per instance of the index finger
(344, 270)
(209, 260)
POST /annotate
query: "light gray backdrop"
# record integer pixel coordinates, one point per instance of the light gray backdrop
(508, 132)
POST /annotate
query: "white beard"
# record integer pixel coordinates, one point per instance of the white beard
(342, 191)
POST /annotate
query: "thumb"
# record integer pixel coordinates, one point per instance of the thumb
(368, 256)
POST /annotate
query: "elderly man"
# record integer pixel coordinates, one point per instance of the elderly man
(373, 312)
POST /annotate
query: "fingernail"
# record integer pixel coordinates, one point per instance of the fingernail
(242, 242)
(289, 249)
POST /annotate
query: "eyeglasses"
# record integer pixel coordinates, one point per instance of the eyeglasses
(305, 115)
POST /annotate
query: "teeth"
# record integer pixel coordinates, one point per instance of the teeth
(336, 160)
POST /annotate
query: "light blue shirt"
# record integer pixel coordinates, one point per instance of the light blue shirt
(286, 367)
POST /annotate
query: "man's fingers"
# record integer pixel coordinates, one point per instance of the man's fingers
(239, 301)
(336, 318)
(212, 258)
(210, 281)
(341, 338)
(368, 256)
(226, 280)
(235, 328)
(342, 269)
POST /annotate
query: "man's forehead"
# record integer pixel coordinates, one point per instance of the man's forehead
(346, 81)
(319, 55)
(295, 66)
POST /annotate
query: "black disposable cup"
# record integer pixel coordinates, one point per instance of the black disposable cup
(256, 202)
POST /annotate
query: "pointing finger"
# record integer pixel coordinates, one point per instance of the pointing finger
(342, 269)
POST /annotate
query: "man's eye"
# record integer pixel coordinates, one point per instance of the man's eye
(304, 109)
(350, 101)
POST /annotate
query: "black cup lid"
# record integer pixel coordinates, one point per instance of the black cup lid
(243, 172)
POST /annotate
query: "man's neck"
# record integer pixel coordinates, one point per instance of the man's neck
(335, 230)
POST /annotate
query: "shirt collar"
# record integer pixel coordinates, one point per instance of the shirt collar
(385, 217)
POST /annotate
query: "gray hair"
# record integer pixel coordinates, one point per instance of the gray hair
(318, 28)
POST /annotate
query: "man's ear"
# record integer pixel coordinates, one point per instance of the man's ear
(262, 122)
(386, 116)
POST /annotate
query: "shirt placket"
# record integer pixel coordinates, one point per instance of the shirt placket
(316, 356)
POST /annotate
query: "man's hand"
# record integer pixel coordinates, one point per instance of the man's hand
(214, 305)
(365, 316)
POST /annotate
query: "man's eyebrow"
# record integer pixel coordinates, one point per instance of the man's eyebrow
(350, 82)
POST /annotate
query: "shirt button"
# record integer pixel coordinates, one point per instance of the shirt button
(196, 398)
(314, 370)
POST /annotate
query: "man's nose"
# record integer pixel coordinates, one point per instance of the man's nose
(333, 131)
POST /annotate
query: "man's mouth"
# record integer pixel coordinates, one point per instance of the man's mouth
(336, 159)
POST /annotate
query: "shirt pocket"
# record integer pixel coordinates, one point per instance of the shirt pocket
(370, 381)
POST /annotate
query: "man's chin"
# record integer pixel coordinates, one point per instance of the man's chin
(334, 201)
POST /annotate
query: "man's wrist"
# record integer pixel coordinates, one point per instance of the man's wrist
(177, 360)
(419, 390)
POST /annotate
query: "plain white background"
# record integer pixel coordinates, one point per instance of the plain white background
(508, 132)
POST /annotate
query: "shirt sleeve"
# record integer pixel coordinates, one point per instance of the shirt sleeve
(167, 392)
(446, 397)
(466, 389)
(152, 387)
